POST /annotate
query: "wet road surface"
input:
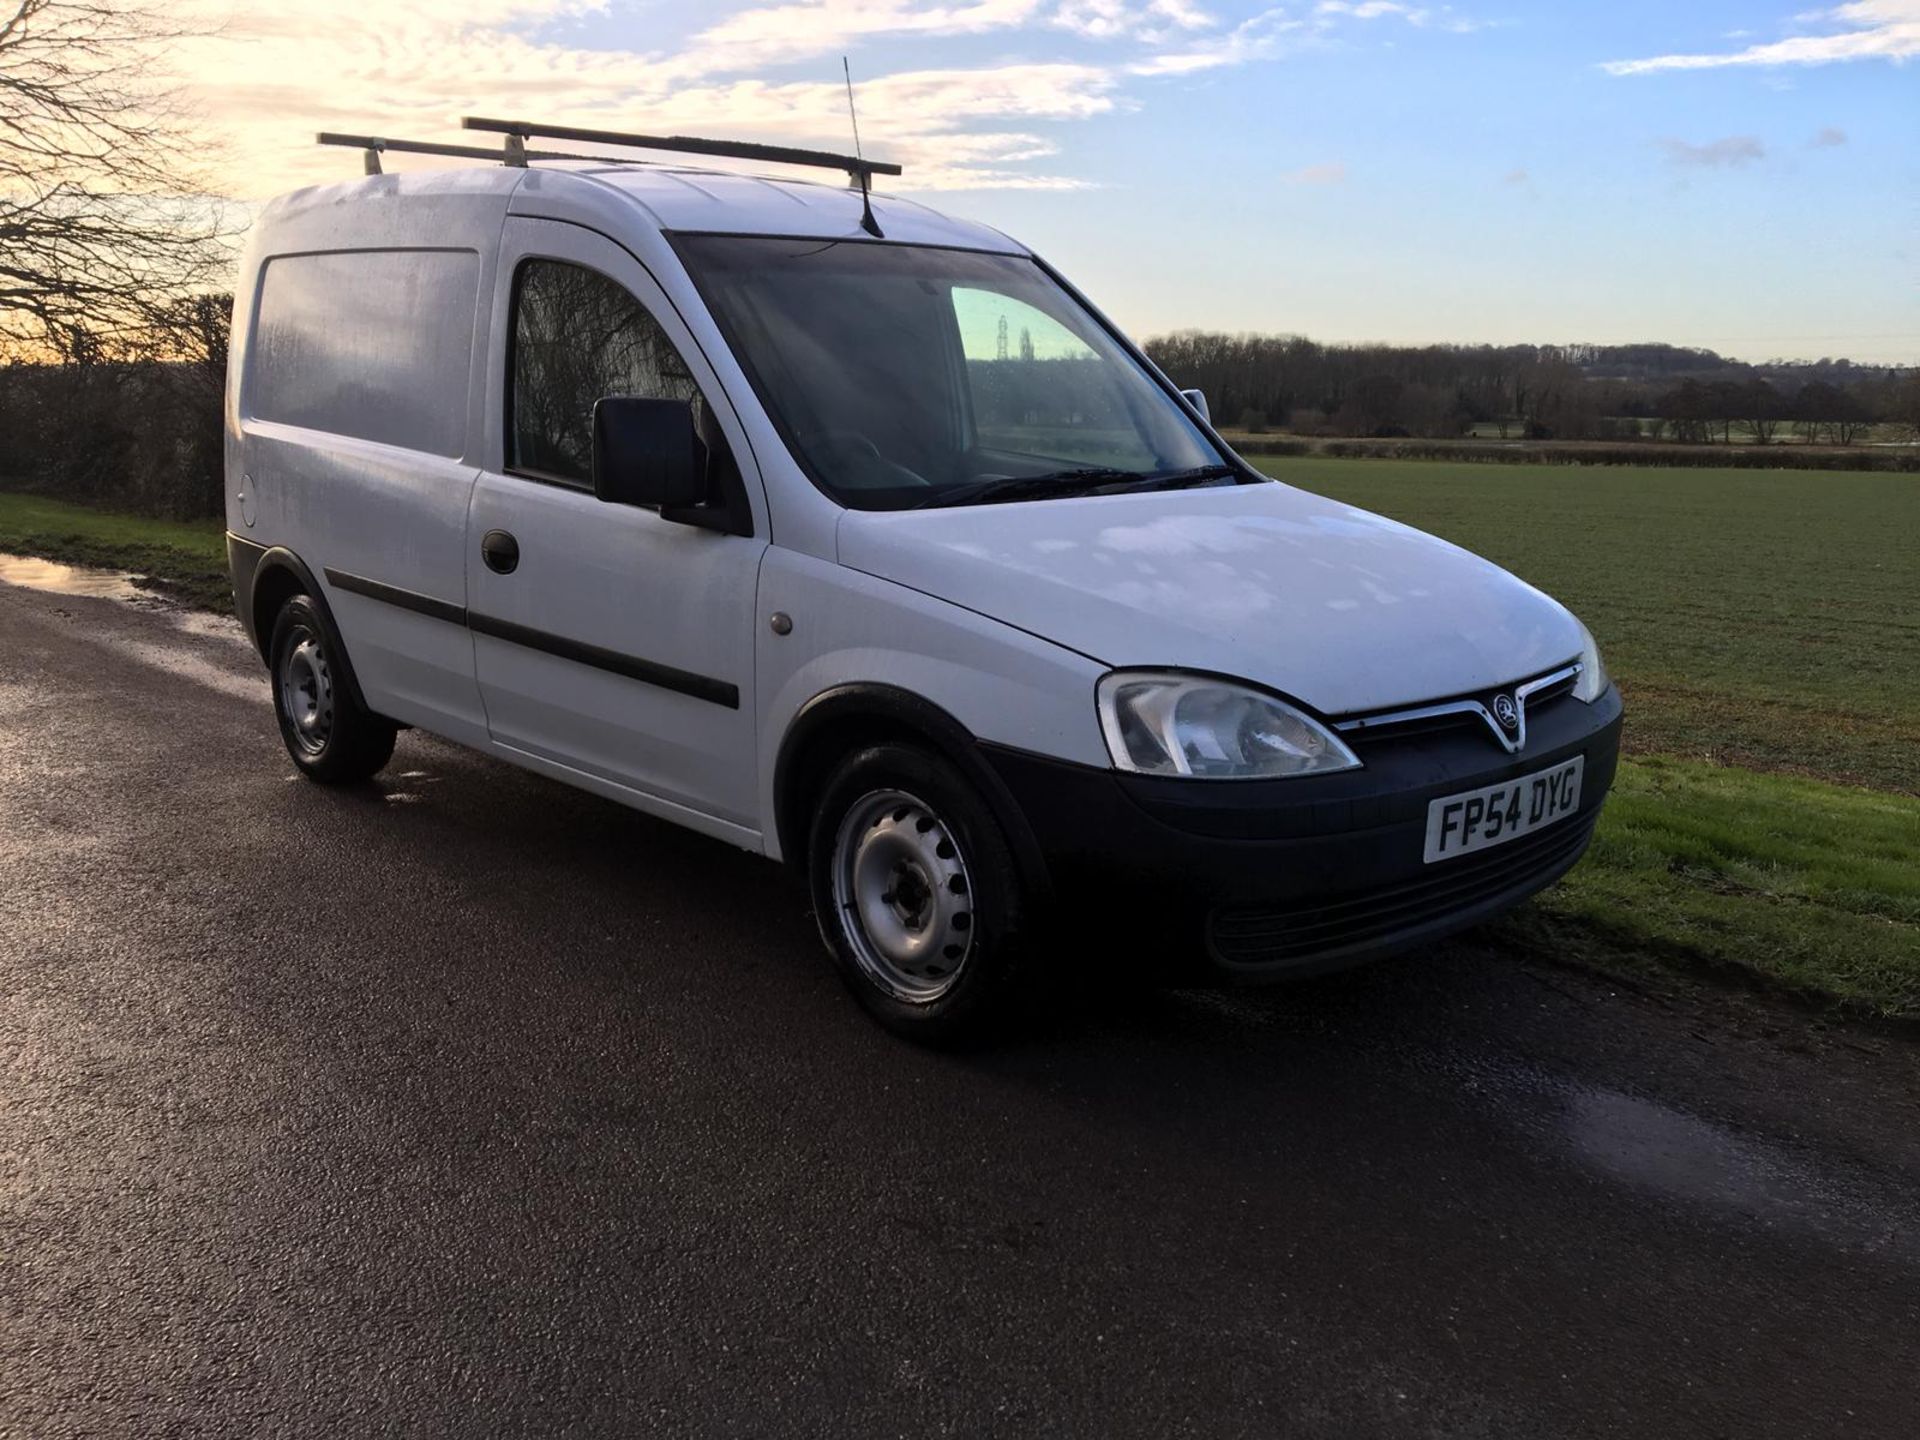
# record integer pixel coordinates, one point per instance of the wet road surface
(468, 1104)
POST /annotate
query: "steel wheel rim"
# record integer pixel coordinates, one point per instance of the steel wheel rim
(904, 897)
(306, 692)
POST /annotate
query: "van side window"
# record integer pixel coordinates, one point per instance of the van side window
(372, 344)
(579, 336)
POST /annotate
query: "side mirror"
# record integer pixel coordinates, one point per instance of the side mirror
(1198, 400)
(645, 452)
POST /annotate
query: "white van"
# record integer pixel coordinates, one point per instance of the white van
(854, 536)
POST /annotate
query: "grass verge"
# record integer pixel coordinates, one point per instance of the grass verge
(1799, 885)
(1769, 619)
(1793, 883)
(1762, 627)
(185, 560)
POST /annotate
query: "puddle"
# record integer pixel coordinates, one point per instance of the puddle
(1743, 1176)
(183, 660)
(1652, 1147)
(58, 579)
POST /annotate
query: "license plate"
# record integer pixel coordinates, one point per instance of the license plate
(1495, 814)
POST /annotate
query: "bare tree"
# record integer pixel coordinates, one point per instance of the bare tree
(1904, 410)
(1763, 410)
(105, 227)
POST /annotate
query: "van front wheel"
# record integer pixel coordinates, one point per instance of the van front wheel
(917, 894)
(330, 737)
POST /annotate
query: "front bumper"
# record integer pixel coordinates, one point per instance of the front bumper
(1289, 877)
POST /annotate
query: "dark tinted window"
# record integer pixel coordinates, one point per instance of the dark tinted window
(901, 374)
(369, 343)
(578, 336)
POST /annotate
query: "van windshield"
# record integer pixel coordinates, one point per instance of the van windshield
(904, 376)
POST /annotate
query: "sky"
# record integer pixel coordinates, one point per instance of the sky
(1742, 176)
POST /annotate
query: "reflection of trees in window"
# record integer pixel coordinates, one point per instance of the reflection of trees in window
(579, 336)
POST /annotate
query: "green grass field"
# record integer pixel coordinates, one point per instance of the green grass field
(186, 560)
(1761, 618)
(1764, 627)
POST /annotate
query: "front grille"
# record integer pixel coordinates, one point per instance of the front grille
(1466, 712)
(1299, 934)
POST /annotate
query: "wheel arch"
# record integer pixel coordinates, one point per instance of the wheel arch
(280, 576)
(838, 721)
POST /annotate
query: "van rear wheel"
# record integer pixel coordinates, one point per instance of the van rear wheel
(331, 738)
(917, 895)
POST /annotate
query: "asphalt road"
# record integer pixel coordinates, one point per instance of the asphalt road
(467, 1104)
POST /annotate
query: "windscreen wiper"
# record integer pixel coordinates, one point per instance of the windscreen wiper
(1089, 480)
(1027, 487)
(1172, 480)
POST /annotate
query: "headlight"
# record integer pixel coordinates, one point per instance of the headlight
(1591, 683)
(1211, 730)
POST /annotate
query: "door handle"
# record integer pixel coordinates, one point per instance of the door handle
(501, 551)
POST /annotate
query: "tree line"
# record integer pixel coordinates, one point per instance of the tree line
(1539, 392)
(113, 336)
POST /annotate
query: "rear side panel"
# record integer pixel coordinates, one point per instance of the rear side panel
(350, 418)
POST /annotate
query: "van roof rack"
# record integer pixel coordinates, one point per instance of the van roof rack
(514, 151)
(859, 170)
(511, 154)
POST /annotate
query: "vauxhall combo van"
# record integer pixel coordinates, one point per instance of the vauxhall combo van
(853, 535)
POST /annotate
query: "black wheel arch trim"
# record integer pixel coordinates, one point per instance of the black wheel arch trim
(846, 707)
(280, 559)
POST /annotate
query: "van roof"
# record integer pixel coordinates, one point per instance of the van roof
(669, 197)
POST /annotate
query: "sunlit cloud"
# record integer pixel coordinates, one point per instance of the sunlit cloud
(778, 34)
(1149, 20)
(267, 76)
(1868, 30)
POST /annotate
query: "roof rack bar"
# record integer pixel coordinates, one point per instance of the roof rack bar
(860, 170)
(377, 145)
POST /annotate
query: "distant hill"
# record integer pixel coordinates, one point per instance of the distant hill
(1654, 361)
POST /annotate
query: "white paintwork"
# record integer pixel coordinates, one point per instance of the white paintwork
(675, 198)
(1003, 616)
(1332, 605)
(1003, 685)
(623, 579)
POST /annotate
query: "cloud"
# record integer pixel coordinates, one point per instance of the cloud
(1362, 9)
(1727, 153)
(781, 34)
(1331, 172)
(1868, 30)
(1516, 176)
(1827, 137)
(267, 75)
(1149, 20)
(1261, 38)
(1440, 17)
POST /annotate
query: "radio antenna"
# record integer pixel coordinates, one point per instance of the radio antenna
(867, 222)
(852, 114)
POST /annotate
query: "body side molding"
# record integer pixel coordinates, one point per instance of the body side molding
(647, 672)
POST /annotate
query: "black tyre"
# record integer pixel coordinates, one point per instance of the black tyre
(918, 896)
(330, 737)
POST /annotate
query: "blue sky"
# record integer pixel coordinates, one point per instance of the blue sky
(1743, 176)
